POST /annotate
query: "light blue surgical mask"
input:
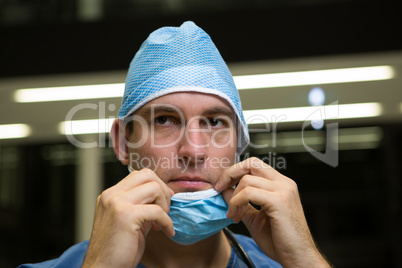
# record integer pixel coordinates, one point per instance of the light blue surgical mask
(197, 215)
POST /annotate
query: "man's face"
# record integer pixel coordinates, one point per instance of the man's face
(187, 139)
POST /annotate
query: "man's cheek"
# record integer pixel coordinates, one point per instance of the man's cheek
(226, 162)
(223, 138)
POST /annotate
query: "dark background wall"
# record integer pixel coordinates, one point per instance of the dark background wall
(50, 41)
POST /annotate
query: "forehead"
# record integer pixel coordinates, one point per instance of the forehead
(193, 103)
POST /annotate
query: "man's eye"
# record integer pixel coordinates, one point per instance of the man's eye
(215, 122)
(163, 120)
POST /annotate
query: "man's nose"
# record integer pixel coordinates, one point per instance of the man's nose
(195, 142)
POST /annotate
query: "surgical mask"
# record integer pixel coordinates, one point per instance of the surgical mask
(197, 215)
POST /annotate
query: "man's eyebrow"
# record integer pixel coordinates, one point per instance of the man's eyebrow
(219, 111)
(147, 111)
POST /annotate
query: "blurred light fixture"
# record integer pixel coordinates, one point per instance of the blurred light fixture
(78, 127)
(316, 96)
(317, 124)
(295, 141)
(14, 131)
(313, 113)
(47, 94)
(116, 90)
(318, 77)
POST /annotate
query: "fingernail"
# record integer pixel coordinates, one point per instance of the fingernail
(229, 215)
(236, 220)
(172, 233)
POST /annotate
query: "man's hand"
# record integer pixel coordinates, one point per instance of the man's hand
(124, 215)
(279, 228)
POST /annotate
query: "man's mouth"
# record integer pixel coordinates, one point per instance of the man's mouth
(189, 184)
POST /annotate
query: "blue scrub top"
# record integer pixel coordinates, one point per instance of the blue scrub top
(75, 255)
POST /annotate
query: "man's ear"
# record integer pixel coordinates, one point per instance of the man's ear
(119, 141)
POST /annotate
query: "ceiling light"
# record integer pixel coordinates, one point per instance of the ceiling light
(316, 96)
(77, 127)
(116, 90)
(318, 77)
(69, 93)
(13, 131)
(311, 113)
(295, 141)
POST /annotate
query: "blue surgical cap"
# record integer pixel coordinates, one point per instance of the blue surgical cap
(180, 59)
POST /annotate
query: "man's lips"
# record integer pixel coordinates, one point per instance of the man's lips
(187, 183)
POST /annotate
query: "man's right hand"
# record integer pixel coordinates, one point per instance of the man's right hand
(124, 215)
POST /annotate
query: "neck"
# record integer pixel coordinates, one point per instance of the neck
(161, 251)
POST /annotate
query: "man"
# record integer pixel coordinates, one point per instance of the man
(180, 131)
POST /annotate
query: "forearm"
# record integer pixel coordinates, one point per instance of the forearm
(312, 258)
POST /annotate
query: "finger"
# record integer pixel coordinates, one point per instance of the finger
(227, 194)
(148, 193)
(156, 227)
(241, 212)
(252, 166)
(155, 215)
(136, 178)
(256, 182)
(242, 199)
(143, 176)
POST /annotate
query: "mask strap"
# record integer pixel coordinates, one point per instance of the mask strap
(239, 139)
(130, 169)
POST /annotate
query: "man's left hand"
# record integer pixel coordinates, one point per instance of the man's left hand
(280, 227)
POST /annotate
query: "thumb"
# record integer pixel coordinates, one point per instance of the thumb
(227, 195)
